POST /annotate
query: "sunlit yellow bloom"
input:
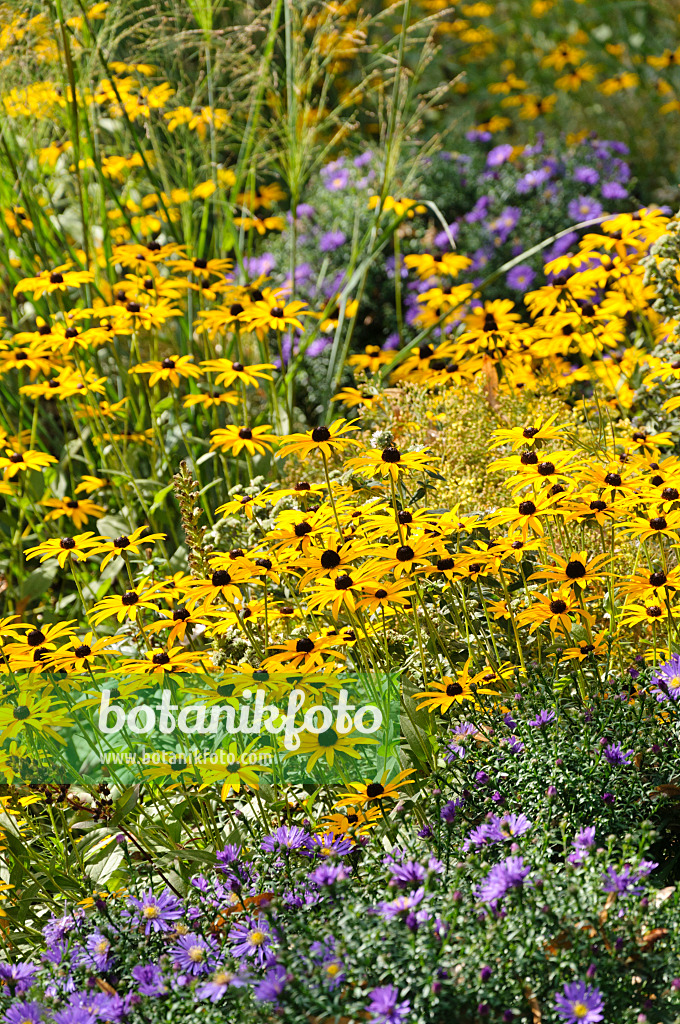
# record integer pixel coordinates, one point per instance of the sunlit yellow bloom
(255, 440)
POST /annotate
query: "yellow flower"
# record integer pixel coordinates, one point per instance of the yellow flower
(272, 312)
(125, 544)
(373, 792)
(391, 461)
(172, 368)
(48, 281)
(63, 548)
(449, 691)
(18, 462)
(321, 439)
(228, 372)
(79, 510)
(255, 440)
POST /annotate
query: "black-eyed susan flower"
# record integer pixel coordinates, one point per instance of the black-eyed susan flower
(160, 661)
(178, 621)
(13, 462)
(449, 691)
(229, 372)
(340, 592)
(330, 746)
(371, 359)
(81, 652)
(305, 652)
(112, 547)
(32, 639)
(234, 439)
(224, 584)
(576, 571)
(352, 397)
(126, 605)
(651, 586)
(58, 280)
(79, 510)
(658, 524)
(594, 647)
(321, 439)
(526, 515)
(274, 313)
(366, 793)
(75, 549)
(240, 769)
(200, 267)
(401, 559)
(379, 596)
(391, 461)
(172, 368)
(32, 713)
(332, 556)
(211, 400)
(653, 612)
(557, 610)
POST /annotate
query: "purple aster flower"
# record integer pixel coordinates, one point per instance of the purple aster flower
(97, 952)
(256, 266)
(74, 1015)
(304, 210)
(332, 240)
(479, 210)
(192, 954)
(338, 181)
(328, 874)
(532, 180)
(401, 906)
(509, 874)
(614, 190)
(666, 682)
(498, 155)
(482, 835)
(441, 240)
(584, 208)
(544, 717)
(363, 159)
(621, 170)
(318, 346)
(521, 278)
(156, 913)
(579, 1003)
(270, 990)
(459, 735)
(480, 259)
(385, 1007)
(330, 845)
(586, 175)
(18, 977)
(334, 972)
(505, 222)
(515, 746)
(286, 838)
(513, 825)
(149, 980)
(478, 135)
(626, 881)
(510, 721)
(448, 811)
(23, 1013)
(585, 838)
(251, 938)
(220, 982)
(616, 755)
